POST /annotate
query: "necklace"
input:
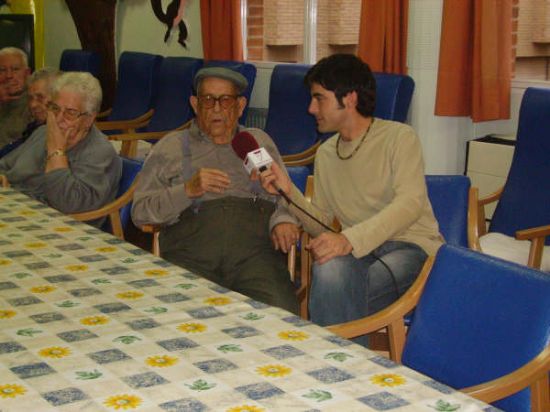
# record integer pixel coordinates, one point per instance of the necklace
(356, 148)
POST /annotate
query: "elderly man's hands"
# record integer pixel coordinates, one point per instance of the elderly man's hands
(207, 180)
(284, 235)
(329, 245)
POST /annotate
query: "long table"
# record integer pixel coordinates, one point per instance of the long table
(92, 323)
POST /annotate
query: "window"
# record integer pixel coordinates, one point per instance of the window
(299, 31)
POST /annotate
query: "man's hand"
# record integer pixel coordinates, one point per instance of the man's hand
(273, 178)
(284, 235)
(206, 180)
(329, 245)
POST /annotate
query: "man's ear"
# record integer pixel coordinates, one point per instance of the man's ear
(350, 99)
(241, 101)
(194, 103)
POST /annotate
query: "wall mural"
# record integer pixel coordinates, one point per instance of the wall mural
(173, 18)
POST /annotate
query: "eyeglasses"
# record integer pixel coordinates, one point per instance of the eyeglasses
(68, 114)
(226, 101)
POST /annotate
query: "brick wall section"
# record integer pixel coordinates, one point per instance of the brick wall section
(255, 30)
(530, 18)
(343, 22)
(283, 22)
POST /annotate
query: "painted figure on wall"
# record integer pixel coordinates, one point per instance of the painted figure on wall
(172, 18)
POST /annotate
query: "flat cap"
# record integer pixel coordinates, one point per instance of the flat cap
(223, 73)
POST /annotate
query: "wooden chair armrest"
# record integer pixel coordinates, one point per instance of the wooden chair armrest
(305, 276)
(111, 210)
(536, 232)
(124, 137)
(534, 373)
(493, 197)
(4, 181)
(390, 317)
(305, 154)
(474, 220)
(104, 113)
(126, 125)
(537, 236)
(300, 162)
(155, 230)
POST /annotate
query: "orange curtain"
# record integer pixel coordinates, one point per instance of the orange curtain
(383, 35)
(221, 30)
(475, 59)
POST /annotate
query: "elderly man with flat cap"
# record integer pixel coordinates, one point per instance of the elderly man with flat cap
(215, 220)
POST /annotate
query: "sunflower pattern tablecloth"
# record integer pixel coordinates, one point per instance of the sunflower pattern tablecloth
(92, 323)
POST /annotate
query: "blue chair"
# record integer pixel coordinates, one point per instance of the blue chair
(481, 323)
(119, 209)
(522, 211)
(248, 70)
(393, 96)
(80, 61)
(288, 122)
(136, 89)
(294, 130)
(450, 197)
(172, 109)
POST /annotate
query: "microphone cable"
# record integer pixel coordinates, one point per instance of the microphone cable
(379, 259)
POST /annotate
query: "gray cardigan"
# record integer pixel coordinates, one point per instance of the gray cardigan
(90, 182)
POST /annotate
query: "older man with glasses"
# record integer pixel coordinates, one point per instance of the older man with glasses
(14, 112)
(215, 221)
(68, 163)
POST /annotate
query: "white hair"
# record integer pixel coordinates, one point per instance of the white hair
(83, 84)
(15, 51)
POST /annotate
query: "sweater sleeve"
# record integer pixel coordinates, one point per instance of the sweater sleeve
(160, 193)
(409, 188)
(90, 182)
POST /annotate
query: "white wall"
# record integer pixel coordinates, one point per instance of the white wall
(136, 29)
(443, 138)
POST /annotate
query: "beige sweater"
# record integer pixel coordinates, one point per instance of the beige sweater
(377, 195)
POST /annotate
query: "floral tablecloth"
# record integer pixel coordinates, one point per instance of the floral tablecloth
(92, 323)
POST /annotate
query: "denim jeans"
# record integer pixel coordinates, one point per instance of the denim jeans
(346, 288)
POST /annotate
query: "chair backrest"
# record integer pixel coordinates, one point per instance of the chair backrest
(130, 170)
(478, 318)
(449, 198)
(526, 196)
(298, 175)
(136, 85)
(80, 61)
(175, 86)
(288, 122)
(393, 96)
(248, 70)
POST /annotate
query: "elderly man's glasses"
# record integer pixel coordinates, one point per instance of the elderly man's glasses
(68, 114)
(226, 101)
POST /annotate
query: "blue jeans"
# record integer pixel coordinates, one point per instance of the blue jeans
(346, 288)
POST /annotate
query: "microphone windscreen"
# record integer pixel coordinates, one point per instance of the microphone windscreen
(244, 143)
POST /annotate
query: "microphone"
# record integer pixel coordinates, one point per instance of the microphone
(255, 157)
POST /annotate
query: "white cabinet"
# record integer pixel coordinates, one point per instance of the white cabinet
(487, 164)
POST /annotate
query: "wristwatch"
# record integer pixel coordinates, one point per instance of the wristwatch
(56, 152)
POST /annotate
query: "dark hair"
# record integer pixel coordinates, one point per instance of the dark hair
(343, 74)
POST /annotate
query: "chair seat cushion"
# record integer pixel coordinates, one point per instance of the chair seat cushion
(508, 248)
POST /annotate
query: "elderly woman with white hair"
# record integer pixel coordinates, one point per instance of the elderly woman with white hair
(67, 163)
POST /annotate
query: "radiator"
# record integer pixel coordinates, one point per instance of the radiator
(256, 117)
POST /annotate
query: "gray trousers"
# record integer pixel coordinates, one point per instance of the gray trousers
(227, 241)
